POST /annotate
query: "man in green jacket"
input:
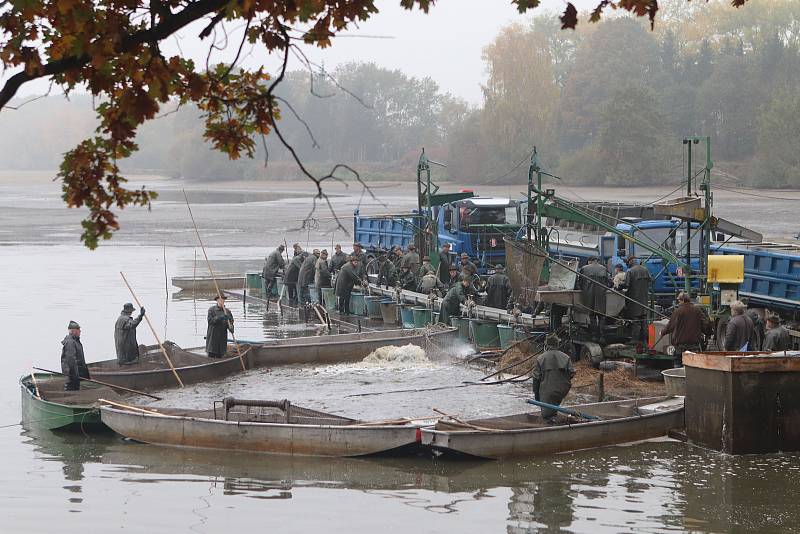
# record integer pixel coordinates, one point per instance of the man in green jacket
(451, 303)
(498, 289)
(220, 321)
(552, 376)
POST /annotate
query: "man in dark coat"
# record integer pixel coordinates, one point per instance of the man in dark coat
(292, 274)
(73, 362)
(593, 283)
(739, 334)
(777, 338)
(467, 265)
(338, 259)
(444, 264)
(322, 273)
(498, 289)
(552, 376)
(272, 264)
(637, 288)
(220, 321)
(686, 326)
(758, 330)
(410, 259)
(426, 267)
(453, 277)
(125, 335)
(408, 280)
(387, 273)
(361, 260)
(451, 303)
(345, 281)
(431, 282)
(306, 276)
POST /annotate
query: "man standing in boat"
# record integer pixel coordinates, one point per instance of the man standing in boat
(73, 363)
(552, 376)
(125, 335)
(220, 321)
(272, 265)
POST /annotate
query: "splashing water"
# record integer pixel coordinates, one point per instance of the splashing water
(407, 355)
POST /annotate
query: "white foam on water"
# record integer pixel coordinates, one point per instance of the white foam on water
(406, 356)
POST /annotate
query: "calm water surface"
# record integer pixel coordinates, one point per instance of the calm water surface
(56, 482)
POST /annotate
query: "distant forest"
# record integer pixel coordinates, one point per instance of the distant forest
(606, 105)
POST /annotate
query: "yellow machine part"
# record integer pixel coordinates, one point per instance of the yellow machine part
(727, 269)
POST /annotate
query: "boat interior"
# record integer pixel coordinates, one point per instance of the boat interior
(51, 389)
(152, 359)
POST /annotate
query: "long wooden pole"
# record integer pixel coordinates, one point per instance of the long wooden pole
(214, 278)
(113, 386)
(153, 330)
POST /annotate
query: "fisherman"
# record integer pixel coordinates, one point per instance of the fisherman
(292, 273)
(453, 276)
(345, 281)
(220, 321)
(552, 376)
(637, 289)
(339, 258)
(686, 326)
(444, 264)
(451, 303)
(397, 256)
(73, 363)
(467, 264)
(125, 335)
(410, 259)
(322, 273)
(498, 291)
(296, 249)
(387, 274)
(777, 338)
(619, 277)
(758, 330)
(593, 283)
(739, 334)
(429, 283)
(361, 259)
(426, 267)
(272, 264)
(306, 276)
(408, 280)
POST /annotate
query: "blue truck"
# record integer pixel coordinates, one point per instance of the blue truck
(475, 225)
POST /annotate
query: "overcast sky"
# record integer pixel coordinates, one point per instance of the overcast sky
(444, 44)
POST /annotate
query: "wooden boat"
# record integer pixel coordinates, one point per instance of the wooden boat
(45, 404)
(527, 434)
(263, 426)
(153, 372)
(206, 283)
(342, 348)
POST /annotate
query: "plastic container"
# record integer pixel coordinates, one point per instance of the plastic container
(313, 290)
(422, 316)
(407, 315)
(329, 298)
(506, 333)
(357, 304)
(388, 311)
(485, 334)
(373, 307)
(254, 281)
(463, 327)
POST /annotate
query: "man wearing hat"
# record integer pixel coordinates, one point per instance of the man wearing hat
(410, 259)
(408, 280)
(452, 276)
(361, 259)
(293, 273)
(429, 282)
(777, 338)
(467, 265)
(444, 264)
(73, 363)
(322, 273)
(498, 289)
(273, 263)
(306, 276)
(451, 303)
(592, 282)
(125, 335)
(426, 267)
(387, 274)
(552, 376)
(220, 321)
(637, 289)
(345, 281)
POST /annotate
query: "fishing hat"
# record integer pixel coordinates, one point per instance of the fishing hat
(73, 325)
(127, 307)
(426, 258)
(552, 340)
(357, 244)
(220, 296)
(464, 255)
(411, 246)
(453, 268)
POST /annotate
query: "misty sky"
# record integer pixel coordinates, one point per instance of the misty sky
(445, 44)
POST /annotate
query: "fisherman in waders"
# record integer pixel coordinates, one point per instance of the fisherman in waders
(498, 291)
(322, 273)
(637, 289)
(429, 283)
(444, 265)
(73, 363)
(410, 259)
(306, 276)
(345, 281)
(125, 335)
(387, 274)
(426, 267)
(552, 376)
(273, 263)
(220, 321)
(408, 280)
(451, 303)
(593, 283)
(292, 274)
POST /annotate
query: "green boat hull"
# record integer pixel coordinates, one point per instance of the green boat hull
(52, 415)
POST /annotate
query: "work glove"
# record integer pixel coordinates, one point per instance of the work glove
(141, 311)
